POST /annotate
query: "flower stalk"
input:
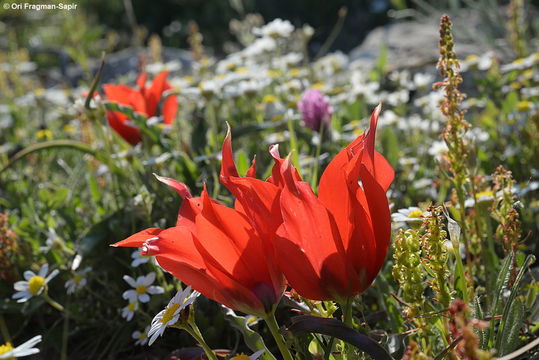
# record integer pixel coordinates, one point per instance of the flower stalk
(274, 329)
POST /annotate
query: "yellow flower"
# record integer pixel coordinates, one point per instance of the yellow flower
(523, 106)
(44, 134)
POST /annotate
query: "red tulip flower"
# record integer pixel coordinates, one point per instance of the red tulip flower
(332, 246)
(219, 251)
(143, 100)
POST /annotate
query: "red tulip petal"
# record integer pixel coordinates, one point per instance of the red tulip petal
(179, 187)
(378, 206)
(138, 239)
(170, 109)
(129, 133)
(154, 93)
(251, 172)
(224, 232)
(257, 199)
(141, 82)
(297, 267)
(311, 227)
(176, 252)
(228, 167)
(276, 176)
(125, 95)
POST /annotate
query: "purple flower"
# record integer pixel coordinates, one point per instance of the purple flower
(315, 109)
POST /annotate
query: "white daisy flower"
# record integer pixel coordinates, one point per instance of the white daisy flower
(7, 351)
(142, 287)
(138, 259)
(33, 285)
(412, 215)
(129, 311)
(78, 281)
(170, 315)
(275, 29)
(242, 356)
(141, 337)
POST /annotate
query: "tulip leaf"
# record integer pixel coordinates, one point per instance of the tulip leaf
(339, 330)
(70, 144)
(252, 339)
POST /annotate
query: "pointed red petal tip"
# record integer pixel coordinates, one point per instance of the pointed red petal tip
(138, 239)
(179, 187)
(274, 151)
(374, 118)
(251, 172)
(228, 167)
(288, 175)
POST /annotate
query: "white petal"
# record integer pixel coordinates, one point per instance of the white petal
(144, 298)
(149, 279)
(52, 275)
(128, 279)
(130, 295)
(155, 290)
(28, 275)
(22, 294)
(21, 286)
(44, 270)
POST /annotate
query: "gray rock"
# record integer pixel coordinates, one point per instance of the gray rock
(414, 44)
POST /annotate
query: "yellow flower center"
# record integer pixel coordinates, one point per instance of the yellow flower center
(471, 58)
(141, 289)
(6, 348)
(169, 313)
(483, 193)
(142, 335)
(294, 72)
(241, 357)
(77, 278)
(35, 284)
(269, 99)
(415, 214)
(523, 106)
(44, 134)
(131, 307)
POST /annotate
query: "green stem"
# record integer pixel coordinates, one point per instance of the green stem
(316, 164)
(65, 332)
(274, 329)
(52, 303)
(4, 329)
(193, 330)
(348, 320)
(294, 145)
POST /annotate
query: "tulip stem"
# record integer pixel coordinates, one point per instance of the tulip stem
(274, 329)
(348, 320)
(193, 330)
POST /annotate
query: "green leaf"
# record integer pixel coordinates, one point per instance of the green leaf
(510, 102)
(339, 330)
(511, 328)
(242, 163)
(71, 144)
(478, 314)
(390, 144)
(501, 284)
(500, 340)
(252, 339)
